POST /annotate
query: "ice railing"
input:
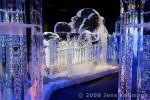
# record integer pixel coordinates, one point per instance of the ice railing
(65, 55)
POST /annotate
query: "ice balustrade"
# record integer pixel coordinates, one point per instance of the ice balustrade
(64, 56)
(64, 59)
(134, 78)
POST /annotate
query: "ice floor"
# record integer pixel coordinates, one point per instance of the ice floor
(80, 74)
(105, 88)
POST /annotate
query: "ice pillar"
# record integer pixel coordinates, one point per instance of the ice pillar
(20, 53)
(134, 70)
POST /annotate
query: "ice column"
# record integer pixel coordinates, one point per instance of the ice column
(134, 75)
(103, 39)
(20, 53)
(36, 49)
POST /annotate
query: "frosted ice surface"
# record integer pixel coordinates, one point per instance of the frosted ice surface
(12, 28)
(79, 13)
(63, 36)
(71, 24)
(83, 73)
(62, 27)
(88, 19)
(85, 12)
(92, 29)
(74, 36)
(80, 16)
(77, 21)
(50, 35)
(86, 37)
(91, 23)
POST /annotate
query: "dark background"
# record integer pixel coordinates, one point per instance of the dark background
(62, 10)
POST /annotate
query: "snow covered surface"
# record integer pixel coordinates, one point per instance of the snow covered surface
(80, 74)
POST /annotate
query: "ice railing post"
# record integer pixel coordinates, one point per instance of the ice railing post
(70, 56)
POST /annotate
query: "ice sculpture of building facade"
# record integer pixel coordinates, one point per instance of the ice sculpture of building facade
(20, 51)
(134, 80)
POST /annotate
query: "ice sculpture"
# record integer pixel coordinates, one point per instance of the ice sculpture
(134, 82)
(35, 12)
(61, 27)
(50, 40)
(81, 14)
(81, 41)
(103, 34)
(20, 52)
(36, 69)
(91, 23)
(117, 34)
(50, 35)
(86, 38)
(12, 11)
(112, 50)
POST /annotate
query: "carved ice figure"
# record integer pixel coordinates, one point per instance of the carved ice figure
(91, 23)
(62, 27)
(85, 12)
(95, 23)
(89, 19)
(71, 24)
(81, 14)
(49, 37)
(85, 38)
